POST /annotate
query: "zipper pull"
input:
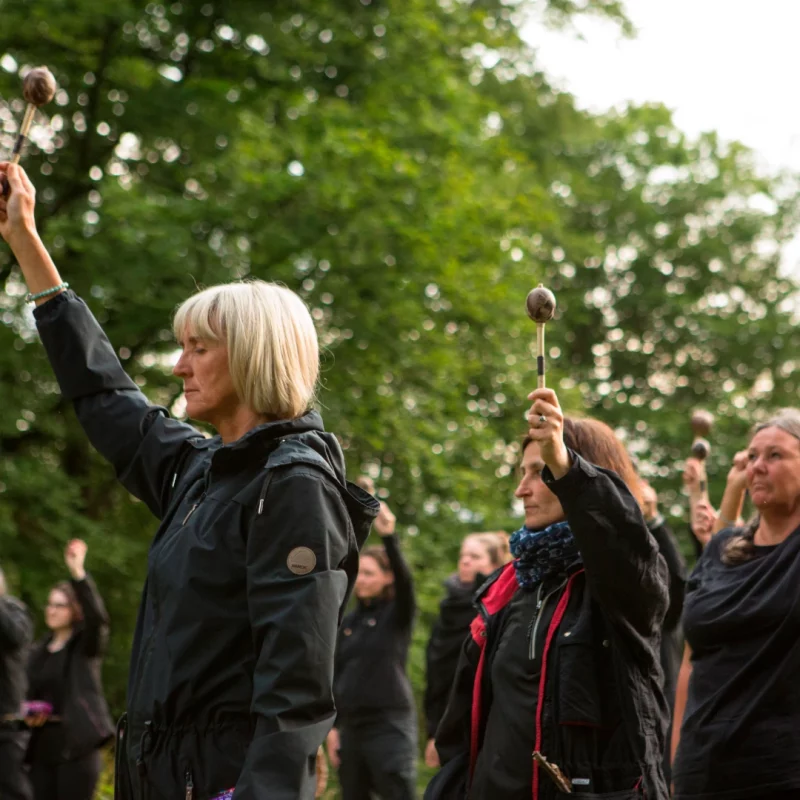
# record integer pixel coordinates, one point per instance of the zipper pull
(189, 785)
(191, 511)
(531, 642)
(193, 508)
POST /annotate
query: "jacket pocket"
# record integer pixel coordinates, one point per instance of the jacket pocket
(586, 693)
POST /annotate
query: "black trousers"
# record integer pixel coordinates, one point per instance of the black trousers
(14, 783)
(68, 780)
(378, 756)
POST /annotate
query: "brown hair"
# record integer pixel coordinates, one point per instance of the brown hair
(495, 543)
(75, 608)
(378, 554)
(595, 442)
(742, 547)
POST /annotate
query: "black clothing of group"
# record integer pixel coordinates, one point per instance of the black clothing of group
(456, 611)
(16, 633)
(602, 715)
(741, 728)
(230, 681)
(376, 715)
(70, 680)
(515, 676)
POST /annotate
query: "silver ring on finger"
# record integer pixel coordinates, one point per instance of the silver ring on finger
(542, 419)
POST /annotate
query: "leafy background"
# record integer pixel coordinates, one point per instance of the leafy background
(408, 169)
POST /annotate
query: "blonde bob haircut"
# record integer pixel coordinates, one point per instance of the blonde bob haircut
(273, 353)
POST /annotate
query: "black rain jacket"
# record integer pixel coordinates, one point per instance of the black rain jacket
(456, 612)
(372, 649)
(231, 670)
(602, 715)
(85, 717)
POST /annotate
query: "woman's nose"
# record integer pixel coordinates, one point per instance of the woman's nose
(180, 367)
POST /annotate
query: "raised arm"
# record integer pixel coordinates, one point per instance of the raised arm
(140, 440)
(730, 508)
(295, 611)
(625, 572)
(405, 603)
(95, 616)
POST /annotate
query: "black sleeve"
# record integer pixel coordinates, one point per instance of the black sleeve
(294, 616)
(95, 617)
(676, 567)
(16, 628)
(404, 602)
(433, 701)
(140, 440)
(625, 572)
(453, 734)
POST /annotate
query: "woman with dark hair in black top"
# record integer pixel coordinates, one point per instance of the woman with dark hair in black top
(558, 688)
(740, 736)
(481, 554)
(64, 673)
(374, 742)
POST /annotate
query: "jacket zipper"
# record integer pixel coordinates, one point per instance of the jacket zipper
(189, 784)
(193, 508)
(555, 622)
(533, 628)
(149, 646)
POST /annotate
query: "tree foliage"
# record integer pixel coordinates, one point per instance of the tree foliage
(408, 169)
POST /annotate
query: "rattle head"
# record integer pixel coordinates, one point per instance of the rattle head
(700, 449)
(39, 86)
(702, 422)
(541, 304)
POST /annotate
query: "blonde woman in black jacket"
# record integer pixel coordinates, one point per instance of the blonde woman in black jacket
(231, 675)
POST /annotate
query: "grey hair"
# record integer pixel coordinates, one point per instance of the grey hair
(741, 548)
(787, 419)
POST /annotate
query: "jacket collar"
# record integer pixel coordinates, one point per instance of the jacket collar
(258, 442)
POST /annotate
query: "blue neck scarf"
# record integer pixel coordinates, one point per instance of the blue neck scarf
(540, 554)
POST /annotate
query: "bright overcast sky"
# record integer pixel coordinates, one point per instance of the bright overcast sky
(724, 65)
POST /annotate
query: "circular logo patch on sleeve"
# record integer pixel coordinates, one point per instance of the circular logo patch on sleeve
(301, 560)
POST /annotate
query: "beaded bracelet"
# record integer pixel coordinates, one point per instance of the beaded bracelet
(29, 298)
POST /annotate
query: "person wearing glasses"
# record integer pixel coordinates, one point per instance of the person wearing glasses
(68, 711)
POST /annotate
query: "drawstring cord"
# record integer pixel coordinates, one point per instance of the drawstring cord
(141, 767)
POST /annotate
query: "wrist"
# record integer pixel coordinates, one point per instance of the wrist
(560, 463)
(78, 574)
(23, 237)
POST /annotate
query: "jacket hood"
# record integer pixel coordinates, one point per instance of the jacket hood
(305, 440)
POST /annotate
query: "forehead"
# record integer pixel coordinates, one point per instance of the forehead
(472, 545)
(57, 596)
(775, 437)
(532, 455)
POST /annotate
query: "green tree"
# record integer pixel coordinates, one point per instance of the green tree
(408, 169)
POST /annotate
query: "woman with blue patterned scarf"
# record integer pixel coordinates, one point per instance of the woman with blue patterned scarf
(558, 689)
